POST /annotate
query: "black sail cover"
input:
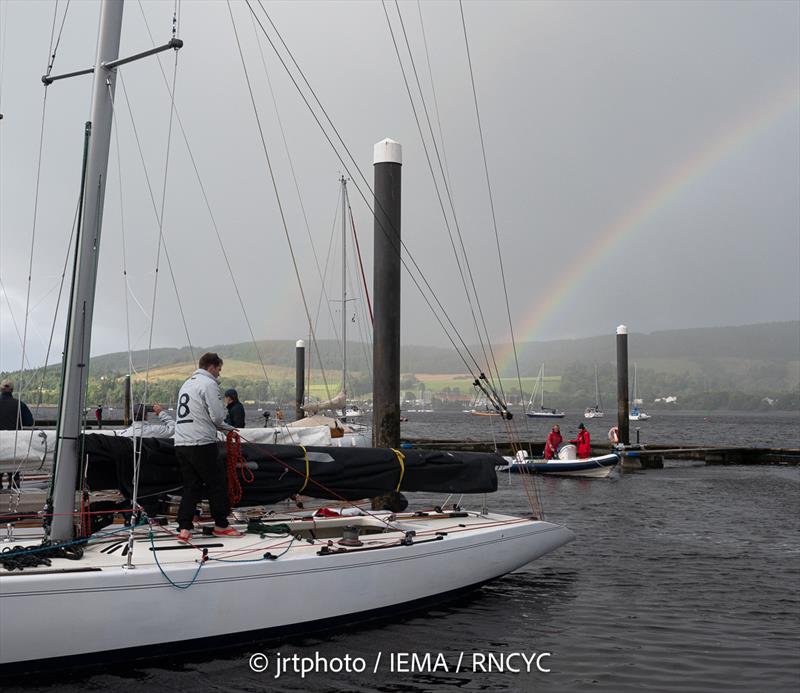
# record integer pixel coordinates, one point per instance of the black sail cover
(281, 471)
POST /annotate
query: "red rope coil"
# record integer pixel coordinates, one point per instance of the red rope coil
(236, 461)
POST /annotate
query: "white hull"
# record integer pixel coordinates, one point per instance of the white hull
(596, 473)
(598, 467)
(106, 611)
(549, 414)
(593, 414)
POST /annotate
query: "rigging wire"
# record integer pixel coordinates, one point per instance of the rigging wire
(433, 91)
(360, 261)
(274, 182)
(137, 449)
(438, 192)
(491, 197)
(365, 307)
(155, 209)
(43, 368)
(13, 317)
(498, 401)
(430, 298)
(323, 295)
(4, 27)
(490, 361)
(125, 282)
(52, 51)
(210, 212)
(58, 40)
(291, 163)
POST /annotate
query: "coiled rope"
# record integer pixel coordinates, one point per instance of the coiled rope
(236, 461)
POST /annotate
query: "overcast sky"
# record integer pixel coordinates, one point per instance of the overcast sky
(643, 157)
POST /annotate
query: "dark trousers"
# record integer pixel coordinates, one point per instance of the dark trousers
(204, 474)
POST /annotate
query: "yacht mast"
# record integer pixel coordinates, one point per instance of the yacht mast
(78, 339)
(597, 404)
(77, 344)
(344, 293)
(541, 394)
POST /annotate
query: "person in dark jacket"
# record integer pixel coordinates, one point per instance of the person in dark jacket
(13, 415)
(235, 416)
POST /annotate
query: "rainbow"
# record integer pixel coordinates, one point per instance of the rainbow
(738, 134)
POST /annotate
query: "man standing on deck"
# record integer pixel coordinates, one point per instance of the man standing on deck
(201, 414)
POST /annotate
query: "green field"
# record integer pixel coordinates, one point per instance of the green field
(437, 383)
(432, 382)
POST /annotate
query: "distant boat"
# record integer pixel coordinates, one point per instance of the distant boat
(595, 412)
(542, 412)
(481, 407)
(352, 411)
(636, 414)
(487, 412)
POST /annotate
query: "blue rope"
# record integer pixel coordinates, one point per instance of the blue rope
(82, 540)
(185, 586)
(265, 557)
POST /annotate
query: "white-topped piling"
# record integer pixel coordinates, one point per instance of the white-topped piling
(623, 423)
(388, 161)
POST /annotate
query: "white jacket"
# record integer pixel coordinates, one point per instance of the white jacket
(200, 410)
(145, 429)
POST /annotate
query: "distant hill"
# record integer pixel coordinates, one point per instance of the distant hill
(773, 342)
(723, 367)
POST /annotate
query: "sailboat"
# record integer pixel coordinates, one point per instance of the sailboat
(134, 591)
(595, 412)
(343, 430)
(636, 414)
(542, 412)
(482, 407)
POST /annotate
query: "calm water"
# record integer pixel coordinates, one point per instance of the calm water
(774, 429)
(681, 579)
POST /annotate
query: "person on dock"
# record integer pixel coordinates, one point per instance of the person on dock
(142, 428)
(201, 414)
(583, 442)
(235, 416)
(553, 442)
(14, 414)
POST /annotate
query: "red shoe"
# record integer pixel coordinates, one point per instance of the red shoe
(185, 536)
(227, 532)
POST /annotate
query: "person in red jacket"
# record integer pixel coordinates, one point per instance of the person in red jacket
(583, 443)
(554, 439)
